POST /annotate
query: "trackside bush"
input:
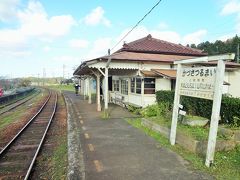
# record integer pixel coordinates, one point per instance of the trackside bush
(230, 107)
(159, 110)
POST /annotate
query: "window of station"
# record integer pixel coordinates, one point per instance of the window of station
(115, 85)
(149, 85)
(124, 87)
(133, 85)
(136, 85)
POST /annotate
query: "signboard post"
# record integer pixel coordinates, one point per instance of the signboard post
(201, 82)
(175, 107)
(215, 113)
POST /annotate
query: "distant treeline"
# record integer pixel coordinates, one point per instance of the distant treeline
(218, 47)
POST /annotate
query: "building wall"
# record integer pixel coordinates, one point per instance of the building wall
(148, 99)
(163, 84)
(226, 87)
(234, 78)
(138, 99)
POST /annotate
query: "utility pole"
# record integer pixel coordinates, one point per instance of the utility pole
(44, 75)
(38, 79)
(64, 70)
(238, 53)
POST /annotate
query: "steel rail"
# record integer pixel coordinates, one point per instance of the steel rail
(26, 125)
(41, 142)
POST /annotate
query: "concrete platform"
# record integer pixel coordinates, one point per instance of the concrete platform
(112, 149)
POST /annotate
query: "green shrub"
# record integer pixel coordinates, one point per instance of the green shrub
(165, 97)
(159, 110)
(230, 111)
(134, 109)
(165, 110)
(230, 107)
(150, 111)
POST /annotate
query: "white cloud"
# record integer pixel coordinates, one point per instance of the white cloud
(96, 17)
(8, 9)
(170, 36)
(102, 45)
(162, 25)
(47, 48)
(142, 31)
(100, 48)
(70, 60)
(35, 22)
(14, 53)
(231, 7)
(9, 37)
(78, 43)
(194, 38)
(225, 37)
(21, 53)
(34, 25)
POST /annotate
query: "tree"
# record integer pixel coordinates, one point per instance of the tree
(193, 46)
(220, 47)
(24, 83)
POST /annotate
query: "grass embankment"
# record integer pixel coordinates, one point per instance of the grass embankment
(19, 113)
(18, 98)
(52, 163)
(226, 164)
(198, 133)
(12, 117)
(62, 87)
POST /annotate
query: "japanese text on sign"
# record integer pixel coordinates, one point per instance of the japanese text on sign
(198, 82)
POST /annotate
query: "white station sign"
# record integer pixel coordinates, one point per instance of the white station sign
(198, 82)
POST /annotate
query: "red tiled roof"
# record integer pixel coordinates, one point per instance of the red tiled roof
(169, 73)
(152, 45)
(149, 73)
(148, 57)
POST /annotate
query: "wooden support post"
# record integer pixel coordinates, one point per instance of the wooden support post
(106, 90)
(175, 107)
(79, 83)
(84, 89)
(142, 91)
(98, 93)
(89, 91)
(217, 98)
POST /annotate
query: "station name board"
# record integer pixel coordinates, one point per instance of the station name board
(198, 82)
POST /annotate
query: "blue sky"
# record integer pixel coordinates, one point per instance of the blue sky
(45, 35)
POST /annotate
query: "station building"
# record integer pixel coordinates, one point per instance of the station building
(135, 72)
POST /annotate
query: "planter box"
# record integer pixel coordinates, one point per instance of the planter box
(189, 143)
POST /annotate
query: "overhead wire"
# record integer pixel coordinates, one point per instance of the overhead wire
(135, 25)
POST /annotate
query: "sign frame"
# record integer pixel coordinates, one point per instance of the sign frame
(217, 98)
(198, 82)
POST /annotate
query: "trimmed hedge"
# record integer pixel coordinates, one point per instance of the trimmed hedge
(230, 108)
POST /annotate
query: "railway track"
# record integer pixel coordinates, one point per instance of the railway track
(16, 104)
(18, 156)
